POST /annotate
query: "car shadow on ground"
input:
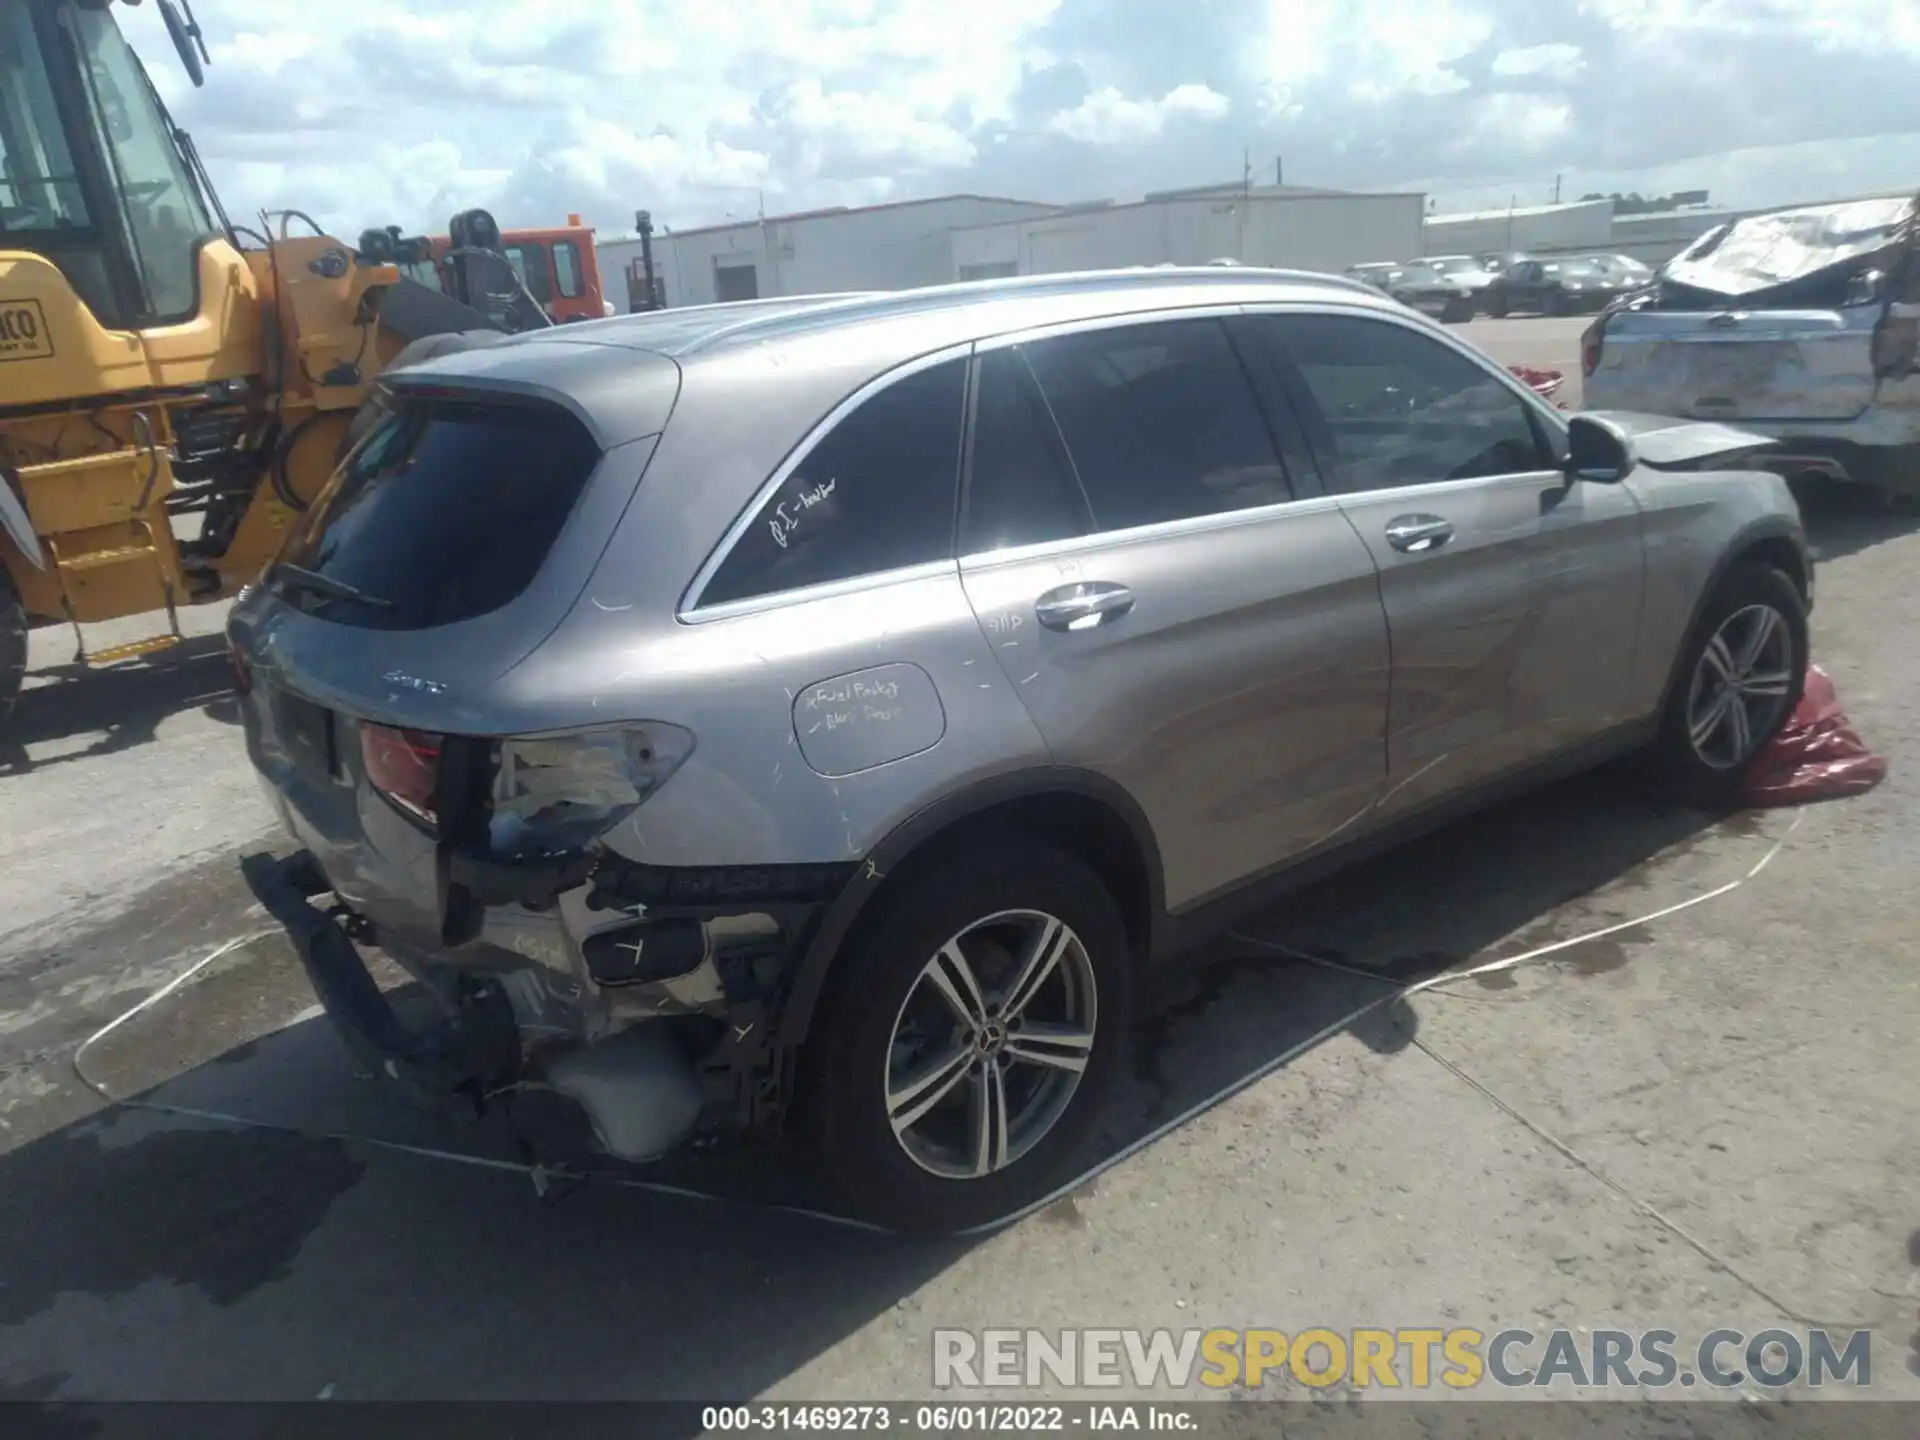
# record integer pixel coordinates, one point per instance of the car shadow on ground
(124, 704)
(1844, 519)
(325, 1261)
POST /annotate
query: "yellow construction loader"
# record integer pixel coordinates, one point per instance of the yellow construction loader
(174, 388)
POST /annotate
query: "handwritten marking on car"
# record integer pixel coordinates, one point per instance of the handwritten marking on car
(786, 520)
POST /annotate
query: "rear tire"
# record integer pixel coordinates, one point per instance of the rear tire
(1497, 308)
(13, 647)
(1739, 678)
(1006, 1127)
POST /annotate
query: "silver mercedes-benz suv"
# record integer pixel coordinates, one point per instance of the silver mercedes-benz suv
(818, 714)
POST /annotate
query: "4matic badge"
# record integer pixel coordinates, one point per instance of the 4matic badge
(23, 331)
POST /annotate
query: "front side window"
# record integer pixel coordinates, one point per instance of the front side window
(876, 494)
(166, 217)
(39, 186)
(1160, 421)
(566, 269)
(1401, 408)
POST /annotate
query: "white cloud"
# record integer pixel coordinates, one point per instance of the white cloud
(1107, 117)
(1384, 48)
(408, 111)
(1551, 62)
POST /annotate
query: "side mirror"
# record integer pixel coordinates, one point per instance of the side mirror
(188, 42)
(1598, 450)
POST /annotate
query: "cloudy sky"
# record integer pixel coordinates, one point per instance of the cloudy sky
(697, 111)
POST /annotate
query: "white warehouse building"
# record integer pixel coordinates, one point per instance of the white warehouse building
(874, 247)
(1295, 227)
(1578, 225)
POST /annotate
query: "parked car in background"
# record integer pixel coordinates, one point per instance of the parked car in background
(1634, 272)
(1800, 324)
(1465, 271)
(1562, 286)
(1378, 274)
(646, 703)
(1419, 286)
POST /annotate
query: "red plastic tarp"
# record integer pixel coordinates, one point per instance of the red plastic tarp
(1817, 755)
(1542, 382)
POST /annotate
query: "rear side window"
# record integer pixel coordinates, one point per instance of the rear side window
(1161, 422)
(1401, 408)
(876, 494)
(445, 512)
(1022, 489)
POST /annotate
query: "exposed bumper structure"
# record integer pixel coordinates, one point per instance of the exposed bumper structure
(470, 1052)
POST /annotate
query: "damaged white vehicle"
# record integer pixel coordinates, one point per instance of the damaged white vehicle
(1802, 325)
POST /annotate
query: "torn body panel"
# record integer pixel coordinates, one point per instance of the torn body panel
(1802, 325)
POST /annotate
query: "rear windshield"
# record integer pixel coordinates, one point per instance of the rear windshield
(444, 512)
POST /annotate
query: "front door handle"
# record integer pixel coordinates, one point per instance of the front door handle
(1082, 605)
(1416, 534)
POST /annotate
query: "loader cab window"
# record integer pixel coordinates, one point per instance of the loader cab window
(39, 183)
(163, 216)
(530, 261)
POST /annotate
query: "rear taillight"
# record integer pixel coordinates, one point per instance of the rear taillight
(404, 766)
(1591, 341)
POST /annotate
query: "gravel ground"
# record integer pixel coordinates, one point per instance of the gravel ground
(1711, 1120)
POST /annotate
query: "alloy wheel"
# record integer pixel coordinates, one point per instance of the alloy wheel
(1738, 694)
(990, 1044)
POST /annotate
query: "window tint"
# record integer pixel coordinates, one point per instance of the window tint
(875, 494)
(566, 266)
(445, 512)
(1022, 490)
(1404, 409)
(1160, 422)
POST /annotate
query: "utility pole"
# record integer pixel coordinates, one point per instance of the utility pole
(1246, 199)
(1278, 174)
(1556, 189)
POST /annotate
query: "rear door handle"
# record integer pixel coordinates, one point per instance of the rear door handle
(1082, 605)
(1415, 534)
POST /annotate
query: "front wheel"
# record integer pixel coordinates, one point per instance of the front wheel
(964, 1047)
(1738, 681)
(1497, 307)
(13, 647)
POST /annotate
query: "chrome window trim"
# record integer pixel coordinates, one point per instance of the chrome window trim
(1147, 534)
(827, 590)
(1117, 320)
(690, 609)
(1419, 326)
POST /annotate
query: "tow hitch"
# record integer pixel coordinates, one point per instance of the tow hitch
(472, 1052)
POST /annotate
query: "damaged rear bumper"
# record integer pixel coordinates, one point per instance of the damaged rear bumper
(470, 1052)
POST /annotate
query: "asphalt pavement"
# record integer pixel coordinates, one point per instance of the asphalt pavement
(1709, 1120)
